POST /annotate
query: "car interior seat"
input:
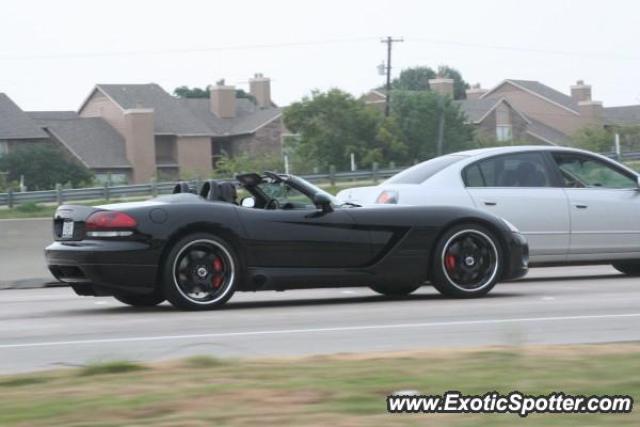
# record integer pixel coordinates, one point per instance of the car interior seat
(228, 193)
(210, 190)
(181, 187)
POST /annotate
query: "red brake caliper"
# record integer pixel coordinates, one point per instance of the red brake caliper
(216, 280)
(450, 262)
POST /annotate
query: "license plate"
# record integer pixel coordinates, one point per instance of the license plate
(67, 230)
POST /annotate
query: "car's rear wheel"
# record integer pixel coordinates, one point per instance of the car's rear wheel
(136, 300)
(630, 268)
(395, 291)
(200, 272)
(467, 261)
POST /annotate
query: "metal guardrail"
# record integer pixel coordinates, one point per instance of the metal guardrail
(63, 195)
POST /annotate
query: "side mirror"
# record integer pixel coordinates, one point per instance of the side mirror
(248, 202)
(323, 202)
(638, 182)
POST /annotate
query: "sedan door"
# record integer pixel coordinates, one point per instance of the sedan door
(604, 204)
(521, 188)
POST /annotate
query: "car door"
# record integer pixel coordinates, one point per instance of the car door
(604, 204)
(297, 234)
(522, 188)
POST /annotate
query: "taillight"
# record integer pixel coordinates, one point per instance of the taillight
(388, 197)
(110, 224)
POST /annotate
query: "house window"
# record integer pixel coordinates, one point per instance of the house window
(503, 133)
(4, 148)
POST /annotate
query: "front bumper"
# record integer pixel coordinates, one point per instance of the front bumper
(102, 264)
(517, 256)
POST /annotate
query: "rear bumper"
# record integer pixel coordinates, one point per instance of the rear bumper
(517, 257)
(105, 265)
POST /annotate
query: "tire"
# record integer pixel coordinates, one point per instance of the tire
(467, 261)
(630, 268)
(137, 300)
(200, 272)
(394, 291)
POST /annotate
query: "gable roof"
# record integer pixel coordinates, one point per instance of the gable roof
(540, 90)
(627, 115)
(15, 123)
(248, 118)
(477, 109)
(170, 117)
(546, 133)
(91, 139)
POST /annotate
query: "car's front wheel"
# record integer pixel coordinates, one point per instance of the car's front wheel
(467, 261)
(630, 268)
(395, 291)
(200, 273)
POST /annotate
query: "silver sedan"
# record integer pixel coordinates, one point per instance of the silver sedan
(573, 206)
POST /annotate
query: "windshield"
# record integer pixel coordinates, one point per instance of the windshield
(312, 189)
(421, 172)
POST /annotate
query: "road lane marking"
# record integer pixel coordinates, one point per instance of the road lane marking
(316, 330)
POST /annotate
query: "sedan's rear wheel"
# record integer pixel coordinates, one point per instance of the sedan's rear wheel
(200, 272)
(630, 268)
(395, 291)
(467, 261)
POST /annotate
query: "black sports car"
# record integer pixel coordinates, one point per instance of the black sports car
(196, 250)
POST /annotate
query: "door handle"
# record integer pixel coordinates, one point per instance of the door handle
(581, 206)
(489, 203)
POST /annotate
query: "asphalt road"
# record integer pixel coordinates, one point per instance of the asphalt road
(48, 328)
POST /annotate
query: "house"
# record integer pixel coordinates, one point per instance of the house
(528, 110)
(137, 132)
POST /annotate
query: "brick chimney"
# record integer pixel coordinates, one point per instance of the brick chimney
(592, 112)
(222, 100)
(260, 88)
(139, 137)
(475, 91)
(581, 92)
(442, 86)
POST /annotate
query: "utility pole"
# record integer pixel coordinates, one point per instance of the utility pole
(441, 106)
(389, 41)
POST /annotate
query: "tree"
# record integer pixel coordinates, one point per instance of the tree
(593, 138)
(43, 166)
(331, 125)
(417, 115)
(417, 78)
(196, 92)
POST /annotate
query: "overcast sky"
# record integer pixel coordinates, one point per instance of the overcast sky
(53, 52)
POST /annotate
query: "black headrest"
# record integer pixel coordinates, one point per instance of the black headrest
(181, 187)
(210, 190)
(228, 192)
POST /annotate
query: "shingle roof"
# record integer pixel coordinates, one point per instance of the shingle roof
(547, 133)
(15, 123)
(543, 91)
(475, 109)
(91, 139)
(624, 115)
(170, 116)
(249, 117)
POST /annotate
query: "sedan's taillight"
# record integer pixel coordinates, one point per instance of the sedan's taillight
(110, 224)
(388, 197)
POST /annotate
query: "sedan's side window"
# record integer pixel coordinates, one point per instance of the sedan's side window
(514, 170)
(580, 171)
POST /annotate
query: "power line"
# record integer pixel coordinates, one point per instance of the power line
(389, 41)
(525, 49)
(71, 55)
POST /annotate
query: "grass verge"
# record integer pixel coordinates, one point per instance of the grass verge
(346, 390)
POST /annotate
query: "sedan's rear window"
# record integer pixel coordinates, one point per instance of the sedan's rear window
(421, 172)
